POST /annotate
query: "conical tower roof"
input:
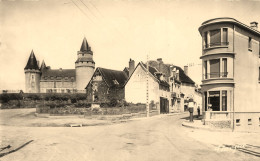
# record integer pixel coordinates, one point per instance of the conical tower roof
(85, 46)
(32, 62)
(43, 66)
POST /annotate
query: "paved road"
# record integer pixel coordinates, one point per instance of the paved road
(160, 138)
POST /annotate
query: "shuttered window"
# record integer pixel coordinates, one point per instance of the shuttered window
(214, 68)
(215, 37)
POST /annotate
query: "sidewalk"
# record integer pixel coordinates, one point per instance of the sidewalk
(198, 124)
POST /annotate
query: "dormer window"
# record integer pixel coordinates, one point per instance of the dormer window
(217, 37)
(115, 82)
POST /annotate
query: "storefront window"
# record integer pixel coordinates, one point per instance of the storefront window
(216, 100)
(224, 100)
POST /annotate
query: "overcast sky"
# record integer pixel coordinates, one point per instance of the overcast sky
(117, 30)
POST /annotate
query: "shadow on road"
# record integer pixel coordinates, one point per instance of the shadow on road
(195, 117)
(3, 154)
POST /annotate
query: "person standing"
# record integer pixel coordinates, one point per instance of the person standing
(191, 108)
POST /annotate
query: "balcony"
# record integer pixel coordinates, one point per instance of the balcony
(216, 75)
(216, 44)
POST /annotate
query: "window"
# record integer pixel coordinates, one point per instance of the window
(224, 100)
(225, 35)
(206, 100)
(214, 68)
(249, 121)
(250, 43)
(206, 39)
(224, 67)
(206, 69)
(238, 122)
(214, 99)
(217, 68)
(217, 37)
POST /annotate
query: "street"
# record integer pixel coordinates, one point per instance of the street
(159, 138)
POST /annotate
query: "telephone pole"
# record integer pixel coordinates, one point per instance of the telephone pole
(147, 88)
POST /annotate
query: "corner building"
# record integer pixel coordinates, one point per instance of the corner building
(231, 74)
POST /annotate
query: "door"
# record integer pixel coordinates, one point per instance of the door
(164, 105)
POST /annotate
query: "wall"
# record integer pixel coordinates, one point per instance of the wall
(32, 86)
(59, 85)
(84, 72)
(135, 89)
(246, 72)
(103, 93)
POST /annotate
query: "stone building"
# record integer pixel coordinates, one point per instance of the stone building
(231, 71)
(46, 80)
(105, 85)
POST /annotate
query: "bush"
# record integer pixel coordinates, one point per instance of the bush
(113, 103)
(4, 98)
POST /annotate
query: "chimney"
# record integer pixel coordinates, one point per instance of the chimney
(178, 75)
(159, 60)
(254, 25)
(60, 69)
(160, 64)
(131, 67)
(186, 69)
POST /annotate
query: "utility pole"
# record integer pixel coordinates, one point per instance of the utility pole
(147, 88)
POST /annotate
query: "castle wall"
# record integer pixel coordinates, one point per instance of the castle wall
(62, 86)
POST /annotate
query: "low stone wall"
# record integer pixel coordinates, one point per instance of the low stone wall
(218, 123)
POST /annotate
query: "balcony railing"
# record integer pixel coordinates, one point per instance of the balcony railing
(216, 44)
(216, 75)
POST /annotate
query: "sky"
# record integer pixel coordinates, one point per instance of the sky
(116, 30)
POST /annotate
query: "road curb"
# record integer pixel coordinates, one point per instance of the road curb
(188, 125)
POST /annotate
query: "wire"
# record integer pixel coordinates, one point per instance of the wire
(88, 8)
(81, 10)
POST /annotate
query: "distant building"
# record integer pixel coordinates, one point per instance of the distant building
(46, 80)
(105, 85)
(182, 87)
(231, 71)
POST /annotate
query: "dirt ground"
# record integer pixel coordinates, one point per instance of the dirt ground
(157, 138)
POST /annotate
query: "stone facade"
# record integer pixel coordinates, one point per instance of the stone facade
(105, 85)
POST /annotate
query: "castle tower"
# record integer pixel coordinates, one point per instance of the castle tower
(32, 75)
(84, 66)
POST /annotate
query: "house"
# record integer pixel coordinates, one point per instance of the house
(168, 85)
(140, 79)
(105, 85)
(231, 72)
(46, 80)
(182, 87)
